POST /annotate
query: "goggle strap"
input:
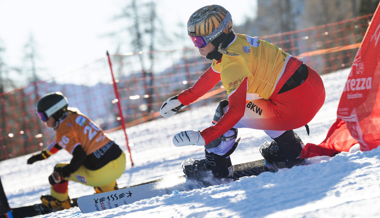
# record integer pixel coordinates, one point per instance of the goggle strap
(56, 107)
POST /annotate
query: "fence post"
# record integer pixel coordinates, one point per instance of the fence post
(119, 106)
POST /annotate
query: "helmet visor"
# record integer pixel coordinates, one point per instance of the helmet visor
(199, 41)
(42, 116)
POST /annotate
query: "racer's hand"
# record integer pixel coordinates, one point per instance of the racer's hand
(35, 158)
(188, 137)
(171, 107)
(56, 176)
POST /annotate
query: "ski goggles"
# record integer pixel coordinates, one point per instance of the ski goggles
(42, 116)
(199, 41)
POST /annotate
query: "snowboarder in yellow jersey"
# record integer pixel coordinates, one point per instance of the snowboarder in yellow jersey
(97, 161)
(267, 89)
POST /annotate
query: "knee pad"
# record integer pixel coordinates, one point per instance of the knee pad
(224, 145)
(219, 112)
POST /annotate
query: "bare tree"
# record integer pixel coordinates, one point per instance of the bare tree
(28, 100)
(6, 81)
(6, 84)
(2, 68)
(143, 32)
(30, 59)
(3, 123)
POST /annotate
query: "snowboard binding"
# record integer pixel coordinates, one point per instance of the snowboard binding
(283, 152)
(195, 169)
(273, 159)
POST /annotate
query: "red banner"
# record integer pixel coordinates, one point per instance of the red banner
(358, 115)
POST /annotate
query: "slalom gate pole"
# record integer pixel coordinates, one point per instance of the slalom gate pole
(119, 107)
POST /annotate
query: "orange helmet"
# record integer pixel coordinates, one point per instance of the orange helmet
(207, 23)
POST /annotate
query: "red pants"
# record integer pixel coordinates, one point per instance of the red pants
(289, 110)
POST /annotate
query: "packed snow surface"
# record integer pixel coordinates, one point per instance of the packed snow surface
(347, 185)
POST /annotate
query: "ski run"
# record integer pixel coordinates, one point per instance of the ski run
(347, 185)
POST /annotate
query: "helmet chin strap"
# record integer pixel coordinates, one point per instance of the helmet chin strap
(214, 55)
(57, 122)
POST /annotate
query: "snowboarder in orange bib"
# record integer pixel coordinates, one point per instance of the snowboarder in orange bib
(97, 161)
(267, 89)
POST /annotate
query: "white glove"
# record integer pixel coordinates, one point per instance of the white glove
(188, 137)
(171, 107)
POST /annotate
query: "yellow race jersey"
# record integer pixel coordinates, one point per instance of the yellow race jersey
(262, 62)
(77, 129)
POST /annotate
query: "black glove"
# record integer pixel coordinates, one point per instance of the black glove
(41, 156)
(56, 176)
(35, 158)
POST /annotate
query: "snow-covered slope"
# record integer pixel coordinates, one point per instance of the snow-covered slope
(346, 185)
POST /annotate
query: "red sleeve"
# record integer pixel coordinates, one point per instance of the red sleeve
(204, 84)
(53, 148)
(236, 103)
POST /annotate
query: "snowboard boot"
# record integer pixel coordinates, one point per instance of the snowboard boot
(283, 152)
(54, 204)
(195, 169)
(273, 159)
(219, 166)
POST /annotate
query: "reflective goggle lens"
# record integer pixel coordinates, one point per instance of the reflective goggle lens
(42, 116)
(198, 41)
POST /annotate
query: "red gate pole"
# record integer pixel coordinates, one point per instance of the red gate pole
(119, 106)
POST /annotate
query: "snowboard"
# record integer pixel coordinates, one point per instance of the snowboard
(154, 188)
(160, 187)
